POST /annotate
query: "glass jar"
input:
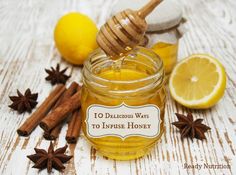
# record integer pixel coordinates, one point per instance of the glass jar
(169, 54)
(165, 44)
(123, 103)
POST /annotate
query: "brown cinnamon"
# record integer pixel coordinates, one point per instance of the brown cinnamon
(74, 127)
(53, 134)
(61, 112)
(30, 124)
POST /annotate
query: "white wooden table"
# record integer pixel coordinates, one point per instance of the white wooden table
(27, 47)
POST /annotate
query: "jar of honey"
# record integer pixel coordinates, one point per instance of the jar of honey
(122, 103)
(164, 29)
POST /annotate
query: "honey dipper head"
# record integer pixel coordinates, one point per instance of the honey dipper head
(121, 33)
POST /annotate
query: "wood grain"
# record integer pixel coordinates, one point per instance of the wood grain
(27, 47)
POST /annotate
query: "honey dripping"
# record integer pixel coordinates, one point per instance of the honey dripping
(129, 75)
(125, 30)
(120, 82)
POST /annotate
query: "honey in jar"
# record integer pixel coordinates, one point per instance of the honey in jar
(123, 103)
(168, 52)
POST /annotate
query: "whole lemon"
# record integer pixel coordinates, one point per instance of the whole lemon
(75, 37)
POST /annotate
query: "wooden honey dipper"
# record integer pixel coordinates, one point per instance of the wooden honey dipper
(124, 31)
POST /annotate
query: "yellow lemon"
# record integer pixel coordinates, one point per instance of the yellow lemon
(198, 81)
(75, 37)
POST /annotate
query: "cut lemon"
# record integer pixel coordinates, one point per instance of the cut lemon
(198, 81)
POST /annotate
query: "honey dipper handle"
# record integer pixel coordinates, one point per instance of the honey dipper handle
(148, 8)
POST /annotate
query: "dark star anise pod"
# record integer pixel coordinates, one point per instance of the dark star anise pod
(50, 159)
(25, 102)
(55, 76)
(190, 128)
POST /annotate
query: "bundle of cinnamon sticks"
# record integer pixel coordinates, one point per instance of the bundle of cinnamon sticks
(60, 107)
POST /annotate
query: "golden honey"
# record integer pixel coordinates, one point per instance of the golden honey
(168, 53)
(134, 80)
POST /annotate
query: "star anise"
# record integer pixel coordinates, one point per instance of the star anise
(190, 128)
(50, 159)
(22, 103)
(56, 76)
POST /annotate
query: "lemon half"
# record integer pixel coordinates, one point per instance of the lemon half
(198, 81)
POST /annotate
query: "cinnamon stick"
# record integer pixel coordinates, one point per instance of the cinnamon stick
(74, 127)
(53, 134)
(61, 112)
(30, 124)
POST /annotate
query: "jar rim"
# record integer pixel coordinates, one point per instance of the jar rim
(159, 73)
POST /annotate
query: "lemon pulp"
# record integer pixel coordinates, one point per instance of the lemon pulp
(198, 81)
